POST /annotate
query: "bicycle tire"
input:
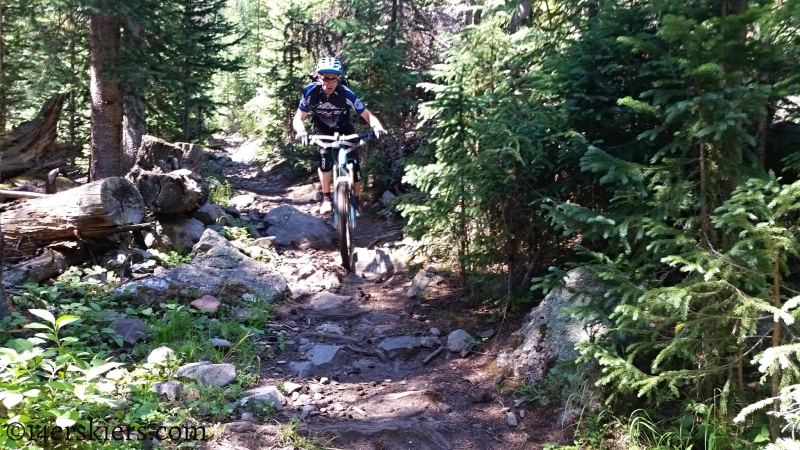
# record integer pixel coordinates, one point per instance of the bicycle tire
(342, 226)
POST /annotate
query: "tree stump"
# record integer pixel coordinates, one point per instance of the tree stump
(173, 193)
(32, 144)
(98, 209)
(155, 153)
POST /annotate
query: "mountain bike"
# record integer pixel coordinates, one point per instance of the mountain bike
(344, 210)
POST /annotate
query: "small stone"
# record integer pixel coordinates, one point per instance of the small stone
(445, 408)
(207, 303)
(290, 388)
(324, 380)
(486, 334)
(160, 355)
(522, 413)
(477, 426)
(512, 419)
(222, 343)
(506, 409)
(248, 417)
(435, 332)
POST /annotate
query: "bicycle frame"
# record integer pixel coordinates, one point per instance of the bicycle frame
(342, 168)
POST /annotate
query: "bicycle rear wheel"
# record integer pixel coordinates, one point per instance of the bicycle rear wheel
(342, 226)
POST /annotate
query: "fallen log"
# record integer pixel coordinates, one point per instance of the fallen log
(176, 192)
(32, 144)
(7, 193)
(98, 209)
(52, 262)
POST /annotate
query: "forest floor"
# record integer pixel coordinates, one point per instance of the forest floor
(452, 402)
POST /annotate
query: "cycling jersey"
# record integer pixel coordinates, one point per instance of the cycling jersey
(329, 111)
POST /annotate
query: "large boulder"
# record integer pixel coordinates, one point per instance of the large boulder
(292, 227)
(551, 334)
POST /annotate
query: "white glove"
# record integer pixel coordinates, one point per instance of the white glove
(302, 138)
(379, 131)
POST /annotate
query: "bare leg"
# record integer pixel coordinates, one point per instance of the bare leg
(357, 188)
(325, 179)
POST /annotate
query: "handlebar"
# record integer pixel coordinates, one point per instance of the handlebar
(340, 140)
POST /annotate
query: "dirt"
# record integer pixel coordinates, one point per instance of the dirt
(450, 402)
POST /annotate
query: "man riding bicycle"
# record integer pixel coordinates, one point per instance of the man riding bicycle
(329, 103)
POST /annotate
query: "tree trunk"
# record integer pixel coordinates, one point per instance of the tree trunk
(5, 309)
(3, 101)
(176, 192)
(107, 158)
(32, 144)
(133, 110)
(155, 152)
(98, 209)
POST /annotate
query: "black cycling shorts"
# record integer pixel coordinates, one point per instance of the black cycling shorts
(326, 154)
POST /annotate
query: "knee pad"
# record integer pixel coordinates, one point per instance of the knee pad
(325, 160)
(357, 170)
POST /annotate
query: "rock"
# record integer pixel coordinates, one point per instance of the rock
(435, 332)
(292, 227)
(309, 410)
(220, 343)
(209, 240)
(302, 369)
(208, 213)
(242, 201)
(486, 334)
(386, 200)
(131, 330)
(423, 282)
(459, 340)
(167, 390)
(550, 337)
(400, 347)
(179, 235)
(208, 374)
(430, 342)
(265, 242)
(264, 394)
(290, 388)
(206, 303)
(232, 211)
(323, 356)
(445, 408)
(160, 355)
(512, 419)
(330, 328)
(373, 265)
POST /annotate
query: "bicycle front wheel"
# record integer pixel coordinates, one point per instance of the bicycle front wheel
(342, 226)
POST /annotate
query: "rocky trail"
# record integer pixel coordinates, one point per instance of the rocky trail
(379, 359)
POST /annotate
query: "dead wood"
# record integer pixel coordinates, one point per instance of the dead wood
(98, 209)
(32, 144)
(176, 192)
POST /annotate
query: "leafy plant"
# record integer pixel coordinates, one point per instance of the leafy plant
(41, 377)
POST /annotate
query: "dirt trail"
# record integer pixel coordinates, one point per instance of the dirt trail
(371, 399)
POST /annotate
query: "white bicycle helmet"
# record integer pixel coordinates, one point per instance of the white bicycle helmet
(328, 64)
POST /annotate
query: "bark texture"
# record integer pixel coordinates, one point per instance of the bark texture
(98, 209)
(32, 145)
(106, 92)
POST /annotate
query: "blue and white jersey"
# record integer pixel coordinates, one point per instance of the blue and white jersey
(329, 111)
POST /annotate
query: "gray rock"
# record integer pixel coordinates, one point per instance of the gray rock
(208, 374)
(303, 369)
(323, 356)
(430, 342)
(512, 419)
(264, 394)
(373, 265)
(423, 282)
(378, 317)
(160, 355)
(221, 343)
(241, 201)
(290, 388)
(386, 200)
(265, 242)
(179, 235)
(486, 334)
(550, 337)
(309, 410)
(435, 332)
(401, 347)
(208, 213)
(131, 330)
(292, 227)
(331, 328)
(459, 340)
(167, 390)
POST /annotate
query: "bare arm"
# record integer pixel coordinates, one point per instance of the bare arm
(297, 122)
(371, 119)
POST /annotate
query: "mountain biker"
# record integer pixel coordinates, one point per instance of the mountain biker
(329, 104)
